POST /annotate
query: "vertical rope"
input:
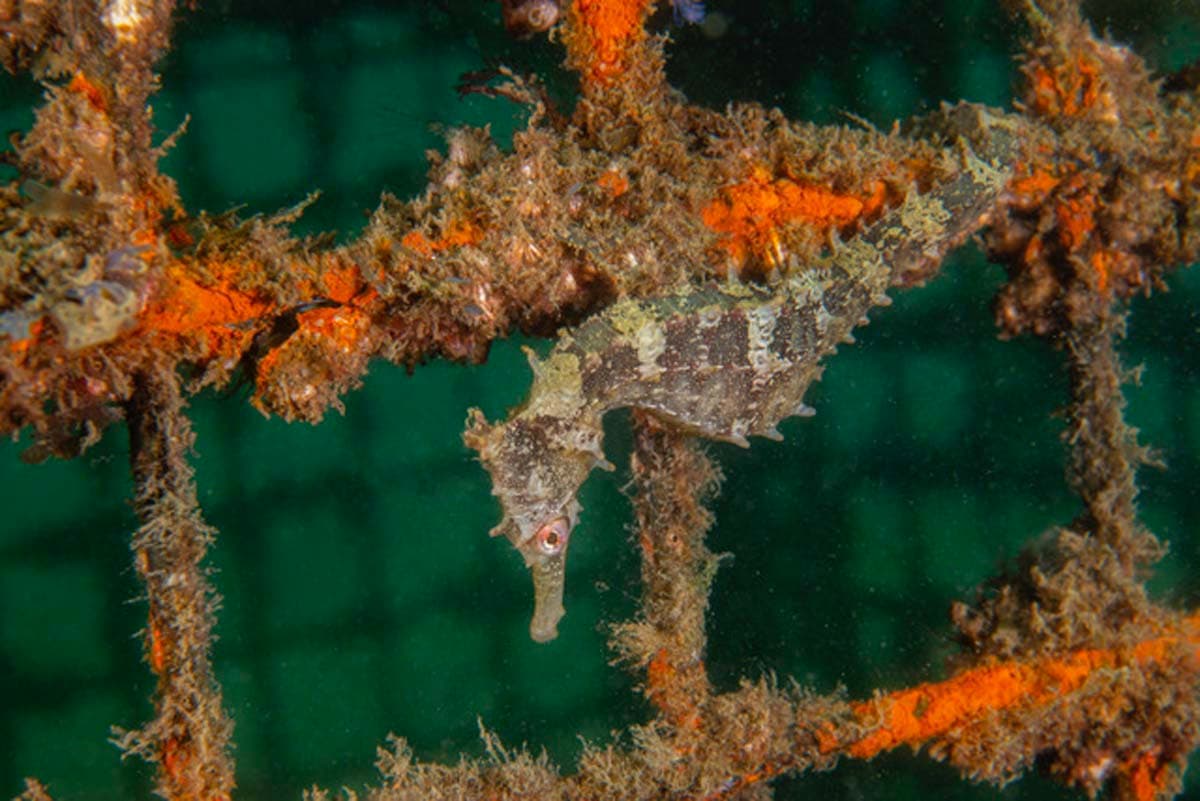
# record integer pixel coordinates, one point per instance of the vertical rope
(190, 733)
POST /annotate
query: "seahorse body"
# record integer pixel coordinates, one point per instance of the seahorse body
(725, 362)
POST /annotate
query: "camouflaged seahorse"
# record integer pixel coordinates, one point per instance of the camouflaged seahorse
(724, 362)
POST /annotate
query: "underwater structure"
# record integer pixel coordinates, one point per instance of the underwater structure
(697, 268)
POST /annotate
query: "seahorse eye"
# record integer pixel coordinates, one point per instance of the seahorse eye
(552, 537)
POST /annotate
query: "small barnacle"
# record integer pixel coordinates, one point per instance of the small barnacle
(125, 19)
(467, 150)
(469, 147)
(575, 199)
(524, 18)
(484, 304)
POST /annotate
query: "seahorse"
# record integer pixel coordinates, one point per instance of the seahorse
(724, 362)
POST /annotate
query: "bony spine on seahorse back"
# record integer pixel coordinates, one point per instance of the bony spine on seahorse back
(722, 362)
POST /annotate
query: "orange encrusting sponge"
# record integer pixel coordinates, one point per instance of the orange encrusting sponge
(216, 314)
(749, 214)
(188, 305)
(1066, 90)
(917, 714)
(457, 234)
(604, 30)
(928, 711)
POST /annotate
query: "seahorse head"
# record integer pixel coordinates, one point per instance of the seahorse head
(537, 463)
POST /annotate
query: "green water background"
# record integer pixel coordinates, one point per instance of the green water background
(361, 594)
